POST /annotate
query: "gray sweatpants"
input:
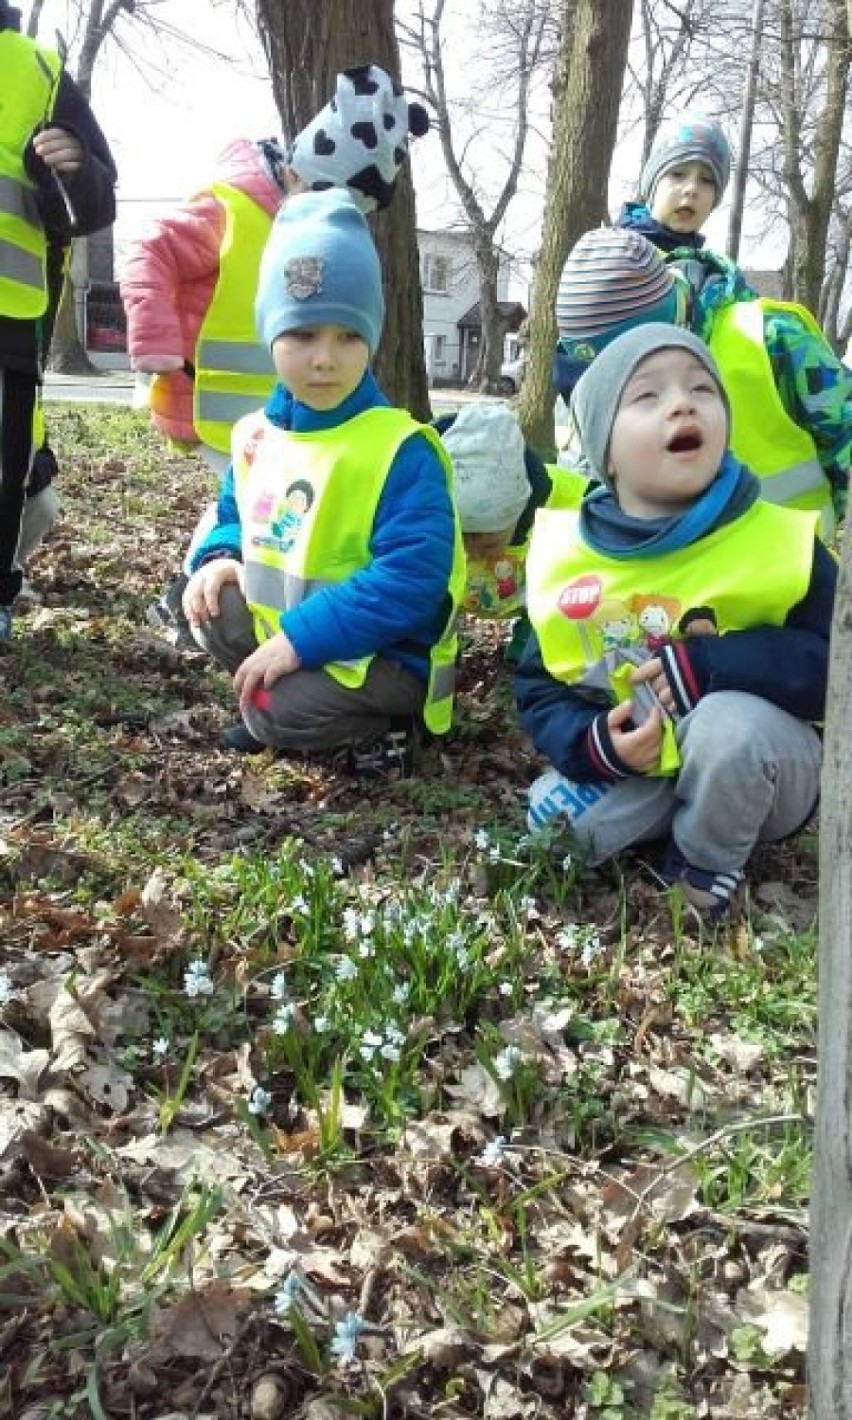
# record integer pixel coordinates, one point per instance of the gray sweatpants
(310, 710)
(749, 774)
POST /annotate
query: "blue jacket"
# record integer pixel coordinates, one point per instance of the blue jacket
(398, 605)
(636, 216)
(786, 665)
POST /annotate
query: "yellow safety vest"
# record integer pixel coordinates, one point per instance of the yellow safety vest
(763, 435)
(307, 506)
(496, 586)
(29, 79)
(586, 607)
(234, 372)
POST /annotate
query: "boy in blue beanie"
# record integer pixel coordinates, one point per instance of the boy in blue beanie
(671, 684)
(682, 181)
(330, 582)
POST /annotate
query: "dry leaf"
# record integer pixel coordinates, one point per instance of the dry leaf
(18, 1063)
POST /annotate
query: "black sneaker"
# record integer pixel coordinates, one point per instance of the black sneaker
(391, 755)
(240, 740)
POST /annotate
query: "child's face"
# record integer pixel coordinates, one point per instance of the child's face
(668, 436)
(684, 197)
(321, 365)
(483, 547)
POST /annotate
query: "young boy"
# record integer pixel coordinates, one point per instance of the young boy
(791, 398)
(499, 482)
(682, 181)
(337, 620)
(674, 668)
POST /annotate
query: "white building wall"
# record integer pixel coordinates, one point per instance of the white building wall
(450, 288)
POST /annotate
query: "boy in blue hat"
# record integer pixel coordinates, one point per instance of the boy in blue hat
(334, 610)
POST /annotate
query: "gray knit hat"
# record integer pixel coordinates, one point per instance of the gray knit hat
(691, 138)
(595, 401)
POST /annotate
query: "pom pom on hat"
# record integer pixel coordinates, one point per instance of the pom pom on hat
(595, 401)
(360, 139)
(320, 267)
(692, 138)
(491, 485)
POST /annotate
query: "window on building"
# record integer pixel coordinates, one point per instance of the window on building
(440, 349)
(436, 273)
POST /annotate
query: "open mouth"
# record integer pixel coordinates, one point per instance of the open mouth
(685, 443)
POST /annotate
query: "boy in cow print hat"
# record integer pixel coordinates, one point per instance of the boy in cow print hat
(360, 139)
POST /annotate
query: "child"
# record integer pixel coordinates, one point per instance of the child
(499, 482)
(791, 398)
(689, 719)
(682, 181)
(337, 616)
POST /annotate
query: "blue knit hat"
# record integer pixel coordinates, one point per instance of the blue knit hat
(320, 267)
(693, 138)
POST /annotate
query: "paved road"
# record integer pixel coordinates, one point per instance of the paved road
(118, 387)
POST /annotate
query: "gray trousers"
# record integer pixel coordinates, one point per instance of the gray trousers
(310, 710)
(749, 774)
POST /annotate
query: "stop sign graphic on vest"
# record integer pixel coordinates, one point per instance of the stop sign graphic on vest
(581, 598)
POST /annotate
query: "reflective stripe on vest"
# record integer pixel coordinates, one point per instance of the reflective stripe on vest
(29, 77)
(299, 526)
(234, 373)
(763, 434)
(583, 604)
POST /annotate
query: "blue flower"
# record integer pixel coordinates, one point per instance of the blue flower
(260, 1101)
(347, 1334)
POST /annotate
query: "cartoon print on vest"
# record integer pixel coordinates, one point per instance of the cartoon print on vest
(699, 621)
(504, 575)
(656, 617)
(617, 624)
(298, 499)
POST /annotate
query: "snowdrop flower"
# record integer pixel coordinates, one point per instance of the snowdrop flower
(507, 1062)
(306, 868)
(494, 853)
(321, 1024)
(391, 1050)
(7, 990)
(370, 1043)
(505, 988)
(346, 970)
(401, 993)
(347, 1334)
(279, 986)
(160, 1048)
(567, 938)
(351, 921)
(481, 839)
(591, 949)
(196, 979)
(283, 1018)
(366, 949)
(287, 1295)
(527, 905)
(493, 1153)
(260, 1101)
(300, 905)
(336, 865)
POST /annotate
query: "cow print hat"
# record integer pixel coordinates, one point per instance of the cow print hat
(360, 139)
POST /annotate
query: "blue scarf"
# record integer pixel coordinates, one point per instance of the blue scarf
(612, 532)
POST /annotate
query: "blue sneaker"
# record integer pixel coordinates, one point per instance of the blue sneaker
(711, 893)
(5, 623)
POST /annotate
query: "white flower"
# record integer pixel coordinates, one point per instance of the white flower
(493, 1153)
(346, 970)
(527, 905)
(260, 1101)
(279, 986)
(283, 1018)
(321, 1024)
(367, 924)
(567, 863)
(481, 839)
(568, 937)
(287, 1295)
(351, 923)
(160, 1048)
(507, 1062)
(196, 979)
(306, 868)
(336, 865)
(370, 1043)
(505, 988)
(390, 1052)
(300, 904)
(366, 949)
(494, 853)
(7, 990)
(347, 1334)
(591, 949)
(401, 993)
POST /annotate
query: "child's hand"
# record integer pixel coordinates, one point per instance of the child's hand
(59, 150)
(201, 594)
(638, 749)
(275, 658)
(652, 671)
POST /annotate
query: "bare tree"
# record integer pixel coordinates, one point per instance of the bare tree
(307, 44)
(515, 34)
(587, 86)
(735, 224)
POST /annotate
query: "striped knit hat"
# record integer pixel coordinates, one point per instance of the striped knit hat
(693, 138)
(613, 279)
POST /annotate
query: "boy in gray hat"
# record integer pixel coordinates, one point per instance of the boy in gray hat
(682, 181)
(674, 670)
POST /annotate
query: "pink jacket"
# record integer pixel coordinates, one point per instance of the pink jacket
(169, 279)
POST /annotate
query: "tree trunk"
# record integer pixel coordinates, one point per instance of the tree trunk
(493, 323)
(735, 224)
(66, 353)
(830, 1348)
(307, 43)
(587, 92)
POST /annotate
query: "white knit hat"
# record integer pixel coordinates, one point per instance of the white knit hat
(486, 446)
